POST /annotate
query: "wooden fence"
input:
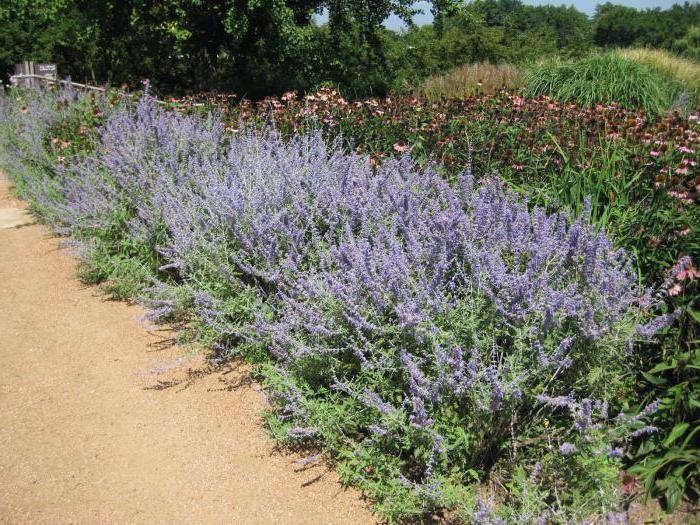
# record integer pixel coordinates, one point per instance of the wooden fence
(33, 80)
(30, 75)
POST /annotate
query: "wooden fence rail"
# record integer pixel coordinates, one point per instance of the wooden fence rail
(16, 81)
(27, 80)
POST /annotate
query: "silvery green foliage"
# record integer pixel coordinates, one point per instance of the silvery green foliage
(462, 305)
(26, 116)
(32, 153)
(142, 158)
(449, 320)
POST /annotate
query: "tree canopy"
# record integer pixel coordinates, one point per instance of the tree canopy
(261, 47)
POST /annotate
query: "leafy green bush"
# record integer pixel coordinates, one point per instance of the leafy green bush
(669, 464)
(689, 45)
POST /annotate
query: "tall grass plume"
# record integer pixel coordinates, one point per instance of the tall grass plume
(473, 79)
(682, 71)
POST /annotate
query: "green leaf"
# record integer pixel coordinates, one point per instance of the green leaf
(674, 492)
(676, 432)
(695, 314)
(663, 366)
(658, 381)
(647, 446)
(690, 436)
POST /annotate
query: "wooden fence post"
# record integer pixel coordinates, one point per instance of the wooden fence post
(31, 74)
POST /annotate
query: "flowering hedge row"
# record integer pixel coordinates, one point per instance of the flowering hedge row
(454, 346)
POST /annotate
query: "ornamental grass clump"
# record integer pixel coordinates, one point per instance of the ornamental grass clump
(604, 79)
(455, 347)
(472, 79)
(684, 72)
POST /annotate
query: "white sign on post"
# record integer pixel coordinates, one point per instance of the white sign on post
(45, 70)
(26, 73)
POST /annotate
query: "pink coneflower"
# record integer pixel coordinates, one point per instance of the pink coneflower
(685, 149)
(628, 483)
(689, 273)
(683, 196)
(400, 147)
(655, 153)
(517, 167)
(682, 171)
(675, 289)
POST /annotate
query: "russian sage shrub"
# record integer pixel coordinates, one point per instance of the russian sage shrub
(33, 145)
(451, 333)
(114, 199)
(433, 337)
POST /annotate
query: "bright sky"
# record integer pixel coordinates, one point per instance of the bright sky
(587, 6)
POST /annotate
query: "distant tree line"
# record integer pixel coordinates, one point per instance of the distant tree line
(618, 25)
(261, 47)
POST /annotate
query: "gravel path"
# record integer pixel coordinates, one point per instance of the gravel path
(90, 433)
